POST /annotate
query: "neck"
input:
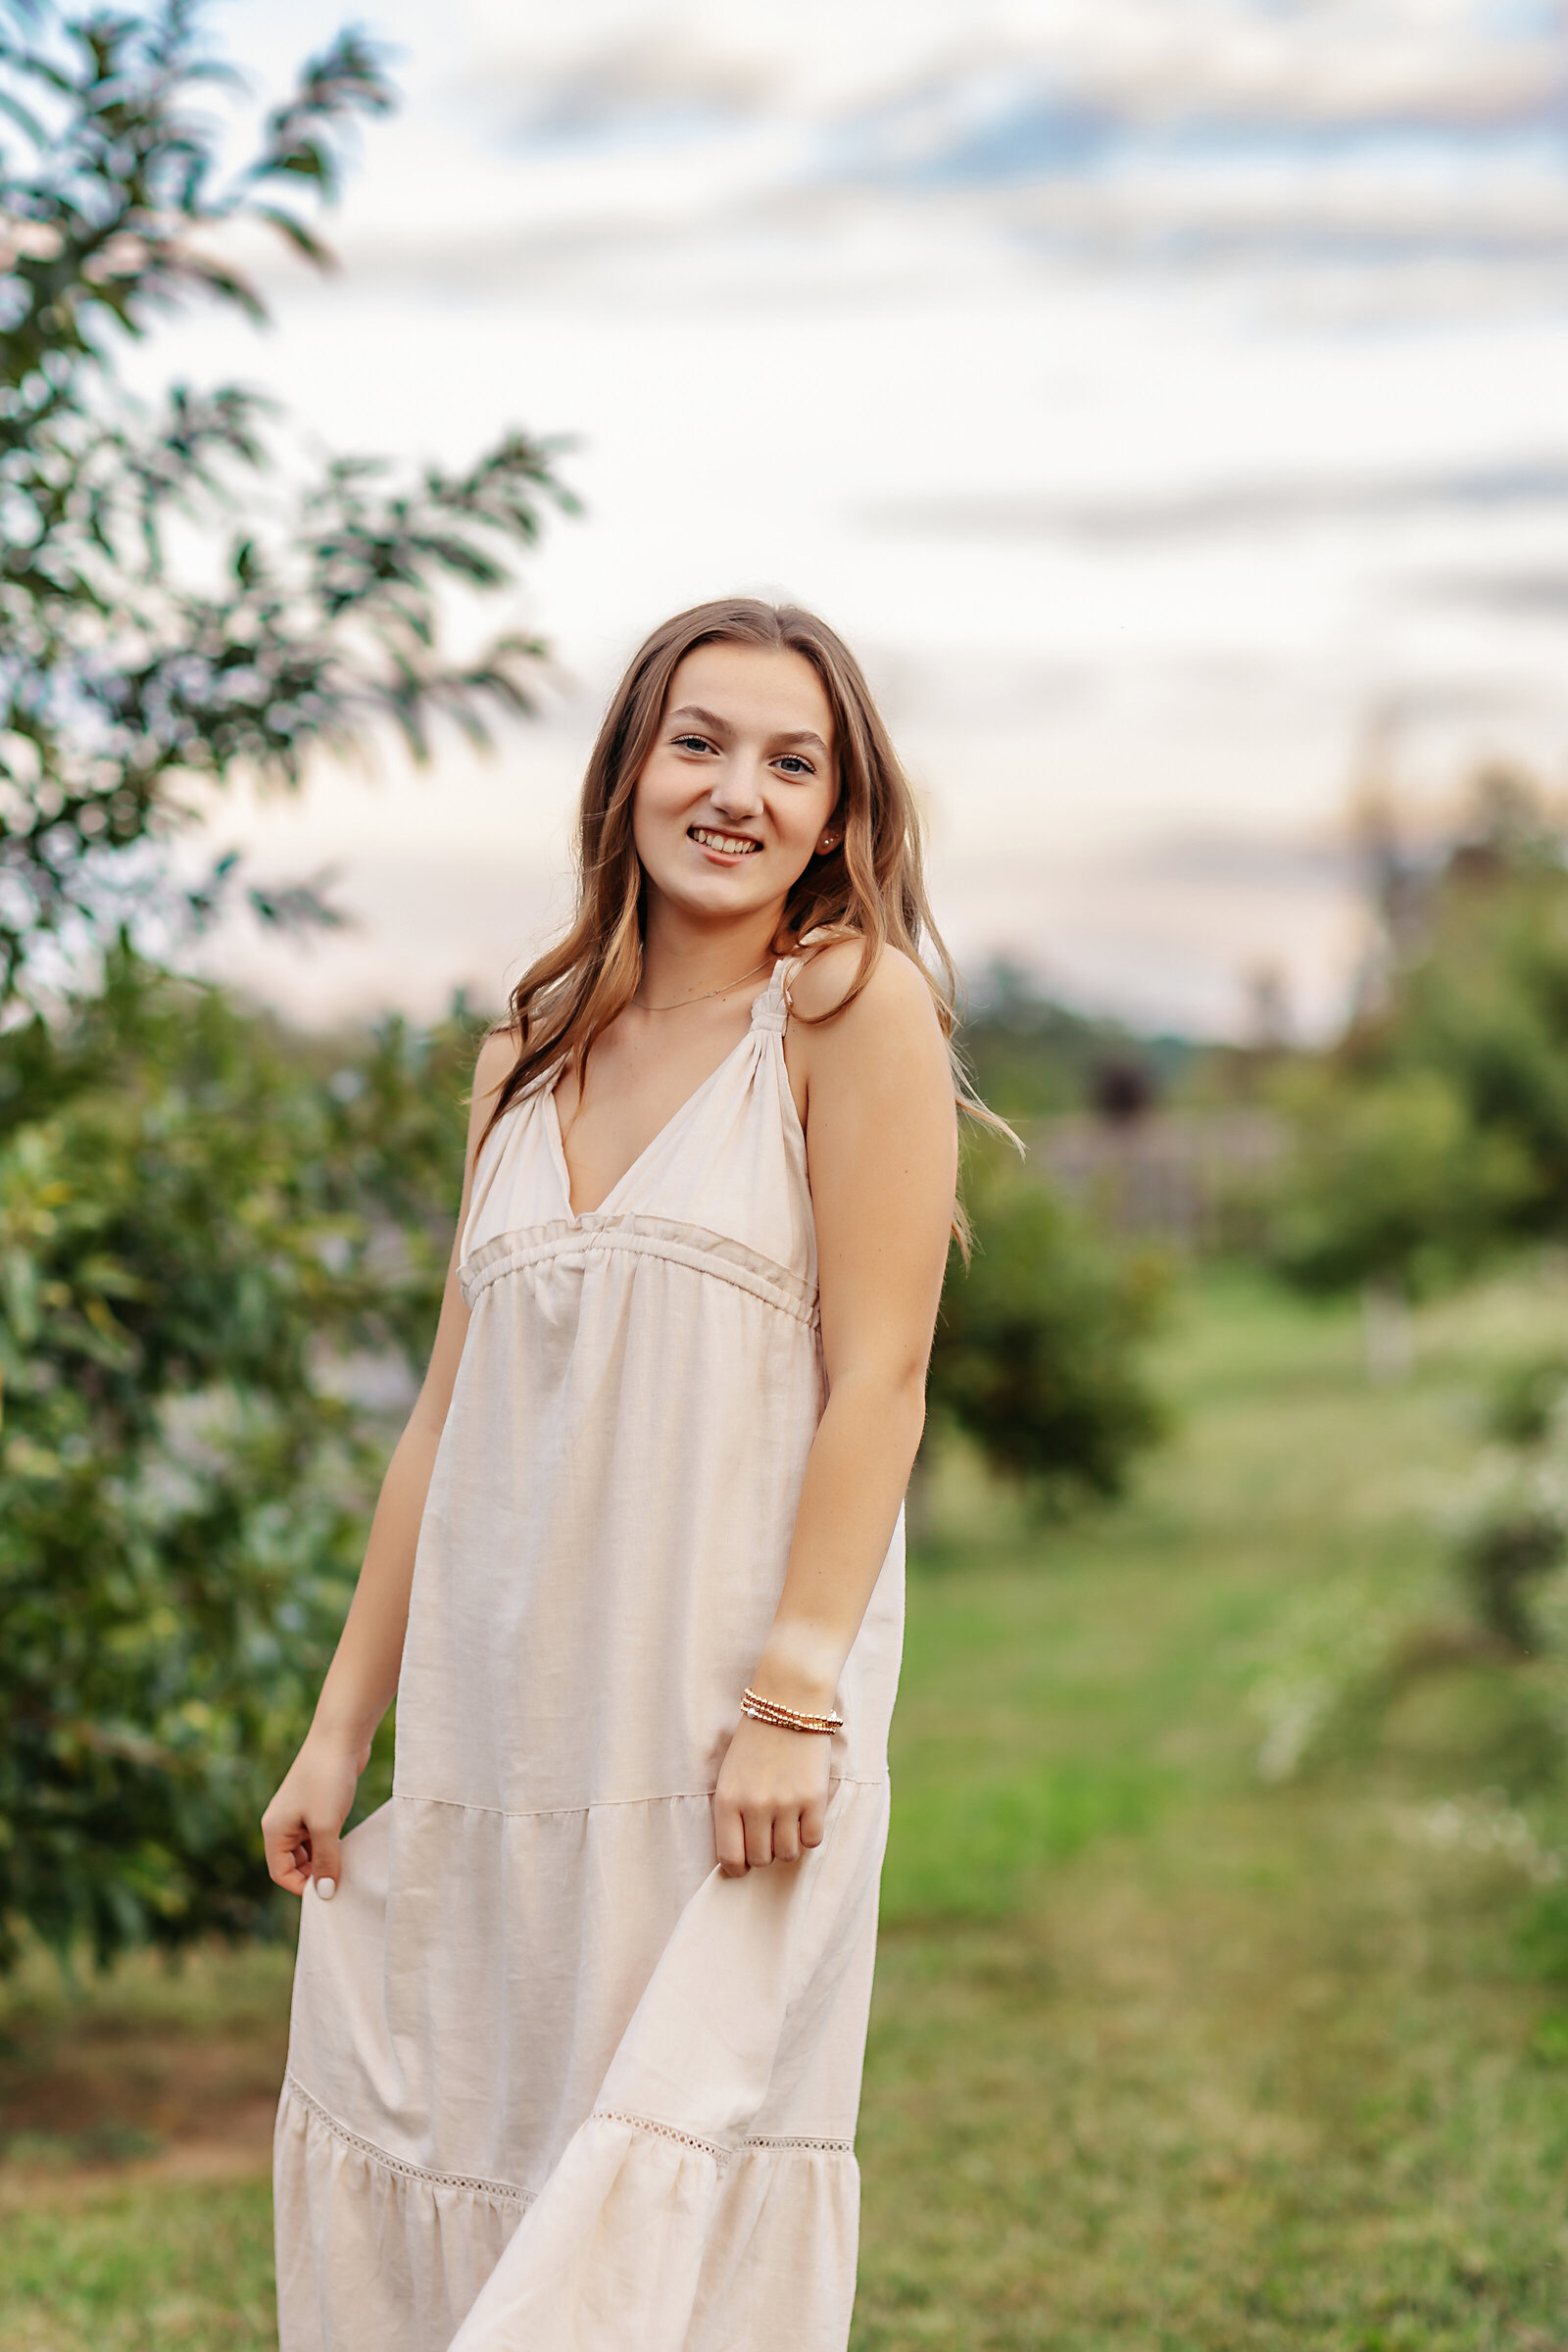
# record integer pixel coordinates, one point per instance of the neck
(685, 957)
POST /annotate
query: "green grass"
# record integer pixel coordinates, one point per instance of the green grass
(1163, 2058)
(141, 2269)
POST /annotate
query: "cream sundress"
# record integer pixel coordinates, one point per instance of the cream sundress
(555, 2085)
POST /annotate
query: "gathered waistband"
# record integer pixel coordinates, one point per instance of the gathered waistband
(667, 1238)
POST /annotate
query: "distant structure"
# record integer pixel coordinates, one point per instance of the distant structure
(1122, 1091)
(1196, 1180)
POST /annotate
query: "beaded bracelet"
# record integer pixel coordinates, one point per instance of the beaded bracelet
(786, 1719)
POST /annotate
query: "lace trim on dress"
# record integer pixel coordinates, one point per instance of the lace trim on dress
(721, 2154)
(820, 2147)
(506, 2191)
(645, 2122)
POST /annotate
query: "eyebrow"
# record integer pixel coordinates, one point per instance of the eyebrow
(721, 727)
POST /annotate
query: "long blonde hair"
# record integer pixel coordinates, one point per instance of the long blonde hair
(870, 885)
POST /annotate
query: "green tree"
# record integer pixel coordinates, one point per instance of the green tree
(176, 607)
(1437, 1131)
(1037, 1353)
(212, 1233)
(1392, 1180)
(201, 1222)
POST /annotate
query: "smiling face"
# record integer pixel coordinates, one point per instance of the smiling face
(738, 793)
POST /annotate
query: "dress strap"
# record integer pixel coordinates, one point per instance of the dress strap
(773, 1008)
(770, 1010)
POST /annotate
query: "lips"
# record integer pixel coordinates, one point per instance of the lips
(722, 845)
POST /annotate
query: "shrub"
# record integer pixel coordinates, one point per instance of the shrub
(193, 1238)
(1037, 1352)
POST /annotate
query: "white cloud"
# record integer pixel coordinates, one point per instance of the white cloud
(1384, 128)
(929, 76)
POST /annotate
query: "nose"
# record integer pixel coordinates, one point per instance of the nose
(736, 790)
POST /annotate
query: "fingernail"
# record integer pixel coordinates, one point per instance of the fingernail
(326, 1888)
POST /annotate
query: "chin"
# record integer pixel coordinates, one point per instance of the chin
(722, 896)
(692, 881)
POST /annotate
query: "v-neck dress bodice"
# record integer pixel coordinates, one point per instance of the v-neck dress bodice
(554, 2084)
(730, 1166)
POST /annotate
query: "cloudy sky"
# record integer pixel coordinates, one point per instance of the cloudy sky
(1169, 399)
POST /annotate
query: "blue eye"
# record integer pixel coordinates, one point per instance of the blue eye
(795, 765)
(693, 742)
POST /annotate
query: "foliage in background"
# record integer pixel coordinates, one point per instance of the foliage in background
(1437, 1130)
(1031, 1057)
(1516, 1530)
(1390, 1181)
(1492, 1598)
(174, 608)
(201, 1229)
(1037, 1346)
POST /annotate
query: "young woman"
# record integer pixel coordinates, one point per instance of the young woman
(577, 2039)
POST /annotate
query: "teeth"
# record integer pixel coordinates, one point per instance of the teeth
(733, 844)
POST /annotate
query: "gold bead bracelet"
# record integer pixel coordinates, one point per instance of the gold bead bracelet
(786, 1719)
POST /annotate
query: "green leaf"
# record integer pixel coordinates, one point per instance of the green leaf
(292, 228)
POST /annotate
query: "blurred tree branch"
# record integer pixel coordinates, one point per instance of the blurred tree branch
(165, 620)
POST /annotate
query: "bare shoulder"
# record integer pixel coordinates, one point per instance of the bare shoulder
(894, 1002)
(490, 1072)
(876, 1056)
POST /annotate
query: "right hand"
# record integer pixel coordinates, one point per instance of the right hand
(300, 1827)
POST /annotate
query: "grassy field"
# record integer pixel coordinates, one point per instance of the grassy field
(1165, 2057)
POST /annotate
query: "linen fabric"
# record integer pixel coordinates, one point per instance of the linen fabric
(554, 2084)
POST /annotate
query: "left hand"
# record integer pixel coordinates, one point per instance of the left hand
(771, 1802)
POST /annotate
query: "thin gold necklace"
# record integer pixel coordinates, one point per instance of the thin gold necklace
(680, 1002)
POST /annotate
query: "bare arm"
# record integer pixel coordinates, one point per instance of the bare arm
(301, 1824)
(882, 1146)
